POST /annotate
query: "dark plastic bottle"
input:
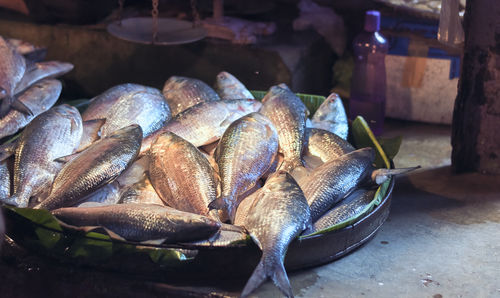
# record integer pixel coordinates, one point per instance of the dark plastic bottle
(368, 78)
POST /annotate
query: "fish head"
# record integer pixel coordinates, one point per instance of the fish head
(225, 79)
(70, 113)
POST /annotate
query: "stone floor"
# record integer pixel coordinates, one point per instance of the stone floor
(441, 240)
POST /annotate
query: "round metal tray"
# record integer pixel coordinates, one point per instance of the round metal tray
(208, 263)
(170, 31)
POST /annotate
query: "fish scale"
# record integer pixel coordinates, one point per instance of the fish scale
(52, 134)
(99, 164)
(38, 98)
(277, 215)
(12, 68)
(182, 93)
(332, 181)
(288, 114)
(205, 122)
(190, 183)
(244, 153)
(140, 222)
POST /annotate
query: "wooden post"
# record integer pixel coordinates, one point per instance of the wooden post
(476, 117)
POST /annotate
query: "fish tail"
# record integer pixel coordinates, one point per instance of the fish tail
(277, 274)
(258, 277)
(379, 176)
(280, 279)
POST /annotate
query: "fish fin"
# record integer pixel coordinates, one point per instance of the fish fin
(258, 277)
(6, 150)
(280, 279)
(21, 107)
(379, 176)
(67, 158)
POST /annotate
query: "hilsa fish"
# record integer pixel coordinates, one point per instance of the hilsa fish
(182, 93)
(244, 153)
(49, 136)
(278, 214)
(142, 222)
(99, 164)
(288, 114)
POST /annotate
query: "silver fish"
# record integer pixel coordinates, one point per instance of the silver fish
(349, 207)
(229, 87)
(4, 180)
(42, 70)
(100, 105)
(182, 93)
(181, 175)
(244, 153)
(325, 145)
(96, 166)
(141, 222)
(149, 110)
(331, 116)
(334, 180)
(277, 216)
(12, 68)
(38, 98)
(205, 123)
(288, 114)
(49, 136)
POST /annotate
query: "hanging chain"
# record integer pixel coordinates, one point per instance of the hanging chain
(196, 15)
(154, 13)
(120, 11)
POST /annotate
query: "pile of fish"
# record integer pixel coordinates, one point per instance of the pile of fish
(187, 164)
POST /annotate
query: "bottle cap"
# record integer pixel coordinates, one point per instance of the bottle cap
(372, 21)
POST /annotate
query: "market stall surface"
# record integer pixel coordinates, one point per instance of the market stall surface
(440, 240)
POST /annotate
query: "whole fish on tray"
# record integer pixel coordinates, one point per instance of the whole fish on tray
(96, 166)
(229, 87)
(334, 180)
(142, 222)
(278, 214)
(182, 93)
(182, 175)
(288, 114)
(149, 110)
(244, 153)
(205, 123)
(38, 98)
(101, 104)
(49, 136)
(352, 206)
